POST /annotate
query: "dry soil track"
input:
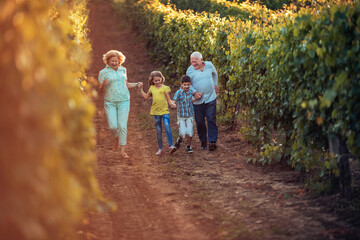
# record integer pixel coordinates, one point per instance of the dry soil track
(206, 195)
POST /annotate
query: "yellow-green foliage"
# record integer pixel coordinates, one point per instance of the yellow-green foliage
(78, 18)
(241, 10)
(295, 71)
(46, 128)
(288, 77)
(174, 35)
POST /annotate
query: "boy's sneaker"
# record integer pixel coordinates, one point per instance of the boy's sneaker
(159, 152)
(177, 144)
(172, 149)
(189, 149)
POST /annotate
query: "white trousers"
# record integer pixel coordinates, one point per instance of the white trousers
(186, 126)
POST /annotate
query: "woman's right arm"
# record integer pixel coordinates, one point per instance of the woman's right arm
(102, 80)
(104, 83)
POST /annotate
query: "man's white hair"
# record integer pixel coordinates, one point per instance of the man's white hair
(196, 55)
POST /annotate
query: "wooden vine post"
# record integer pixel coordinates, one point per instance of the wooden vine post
(338, 147)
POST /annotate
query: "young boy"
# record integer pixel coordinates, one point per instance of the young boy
(183, 99)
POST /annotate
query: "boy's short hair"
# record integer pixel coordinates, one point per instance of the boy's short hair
(185, 78)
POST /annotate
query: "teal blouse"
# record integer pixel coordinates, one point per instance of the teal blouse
(116, 90)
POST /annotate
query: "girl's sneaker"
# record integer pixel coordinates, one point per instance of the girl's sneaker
(172, 149)
(159, 152)
(189, 149)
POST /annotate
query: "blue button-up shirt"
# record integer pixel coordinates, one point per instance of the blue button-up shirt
(184, 103)
(204, 82)
(116, 90)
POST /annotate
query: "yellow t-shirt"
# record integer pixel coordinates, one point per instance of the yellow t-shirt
(159, 104)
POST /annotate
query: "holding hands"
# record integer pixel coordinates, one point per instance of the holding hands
(173, 104)
(197, 95)
(139, 85)
(104, 83)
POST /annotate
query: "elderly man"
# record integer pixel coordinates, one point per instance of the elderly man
(204, 80)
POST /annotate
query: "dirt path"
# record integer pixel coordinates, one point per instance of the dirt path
(149, 207)
(206, 195)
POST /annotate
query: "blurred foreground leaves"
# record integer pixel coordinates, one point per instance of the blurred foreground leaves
(46, 130)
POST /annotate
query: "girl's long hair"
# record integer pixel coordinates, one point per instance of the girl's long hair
(155, 74)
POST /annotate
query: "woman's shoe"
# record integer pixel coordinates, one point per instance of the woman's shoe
(124, 155)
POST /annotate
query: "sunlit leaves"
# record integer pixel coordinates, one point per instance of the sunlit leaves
(241, 10)
(47, 134)
(328, 74)
(295, 70)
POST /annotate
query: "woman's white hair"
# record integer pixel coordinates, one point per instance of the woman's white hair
(196, 55)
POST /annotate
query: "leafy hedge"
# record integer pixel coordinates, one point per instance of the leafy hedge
(243, 10)
(306, 82)
(173, 35)
(296, 74)
(47, 133)
(281, 4)
(329, 89)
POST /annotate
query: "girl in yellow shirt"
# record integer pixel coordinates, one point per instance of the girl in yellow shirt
(159, 108)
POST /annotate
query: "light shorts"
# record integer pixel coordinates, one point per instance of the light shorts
(186, 126)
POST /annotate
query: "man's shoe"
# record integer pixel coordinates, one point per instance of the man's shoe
(212, 146)
(189, 149)
(203, 146)
(177, 144)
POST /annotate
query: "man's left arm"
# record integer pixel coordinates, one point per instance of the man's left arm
(215, 78)
(197, 94)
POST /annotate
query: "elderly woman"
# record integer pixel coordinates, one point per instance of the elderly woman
(117, 97)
